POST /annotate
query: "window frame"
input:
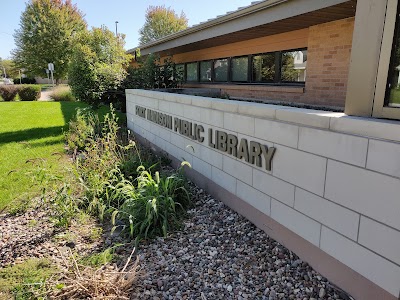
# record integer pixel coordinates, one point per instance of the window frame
(276, 75)
(197, 68)
(379, 110)
(228, 70)
(280, 66)
(249, 78)
(231, 69)
(211, 61)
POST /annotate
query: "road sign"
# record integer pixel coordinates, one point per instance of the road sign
(51, 69)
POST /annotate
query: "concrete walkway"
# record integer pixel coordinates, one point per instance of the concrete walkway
(45, 95)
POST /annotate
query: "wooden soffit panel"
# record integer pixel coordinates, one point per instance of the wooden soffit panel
(336, 12)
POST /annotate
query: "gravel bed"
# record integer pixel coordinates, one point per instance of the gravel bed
(33, 235)
(218, 254)
(221, 255)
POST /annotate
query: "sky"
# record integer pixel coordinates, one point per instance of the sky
(129, 14)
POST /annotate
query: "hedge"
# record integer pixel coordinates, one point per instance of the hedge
(25, 80)
(29, 92)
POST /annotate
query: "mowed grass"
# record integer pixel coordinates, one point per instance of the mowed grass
(395, 96)
(30, 132)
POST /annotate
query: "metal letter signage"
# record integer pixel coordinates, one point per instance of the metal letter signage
(252, 152)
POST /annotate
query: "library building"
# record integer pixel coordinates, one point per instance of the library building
(289, 113)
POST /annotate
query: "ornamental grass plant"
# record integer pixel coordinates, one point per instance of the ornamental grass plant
(123, 181)
(8, 92)
(62, 93)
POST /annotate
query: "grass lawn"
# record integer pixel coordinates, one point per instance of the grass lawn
(395, 96)
(29, 130)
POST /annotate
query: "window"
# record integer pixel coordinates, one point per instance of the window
(280, 67)
(221, 70)
(191, 72)
(205, 71)
(392, 98)
(179, 71)
(386, 100)
(293, 66)
(240, 67)
(263, 67)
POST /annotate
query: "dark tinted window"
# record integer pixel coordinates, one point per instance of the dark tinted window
(393, 84)
(264, 67)
(221, 70)
(240, 68)
(191, 72)
(294, 65)
(205, 71)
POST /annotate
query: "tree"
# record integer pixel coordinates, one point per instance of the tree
(161, 21)
(47, 28)
(98, 64)
(8, 65)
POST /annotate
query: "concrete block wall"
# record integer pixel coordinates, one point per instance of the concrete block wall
(335, 180)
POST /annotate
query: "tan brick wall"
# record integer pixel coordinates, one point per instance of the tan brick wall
(329, 47)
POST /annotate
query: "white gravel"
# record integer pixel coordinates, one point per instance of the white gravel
(221, 255)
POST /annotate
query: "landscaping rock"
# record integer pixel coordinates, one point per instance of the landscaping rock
(221, 255)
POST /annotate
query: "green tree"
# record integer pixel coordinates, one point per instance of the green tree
(47, 28)
(289, 73)
(161, 21)
(98, 64)
(9, 66)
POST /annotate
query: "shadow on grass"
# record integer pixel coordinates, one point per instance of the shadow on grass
(30, 134)
(69, 109)
(60, 139)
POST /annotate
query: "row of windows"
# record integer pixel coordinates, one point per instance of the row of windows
(274, 67)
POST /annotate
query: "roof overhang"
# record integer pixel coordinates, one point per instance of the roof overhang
(260, 19)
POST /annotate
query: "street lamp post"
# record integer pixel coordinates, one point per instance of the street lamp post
(116, 28)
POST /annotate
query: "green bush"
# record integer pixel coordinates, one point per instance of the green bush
(8, 92)
(25, 80)
(154, 206)
(151, 73)
(97, 65)
(30, 92)
(81, 128)
(62, 93)
(122, 180)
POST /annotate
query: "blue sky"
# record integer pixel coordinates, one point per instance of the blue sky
(128, 13)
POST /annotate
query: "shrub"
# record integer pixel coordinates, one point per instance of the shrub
(151, 73)
(122, 180)
(62, 93)
(29, 92)
(8, 92)
(25, 80)
(81, 128)
(97, 65)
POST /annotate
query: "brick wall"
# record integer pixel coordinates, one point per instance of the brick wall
(329, 48)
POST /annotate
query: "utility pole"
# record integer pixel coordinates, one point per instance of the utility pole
(116, 28)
